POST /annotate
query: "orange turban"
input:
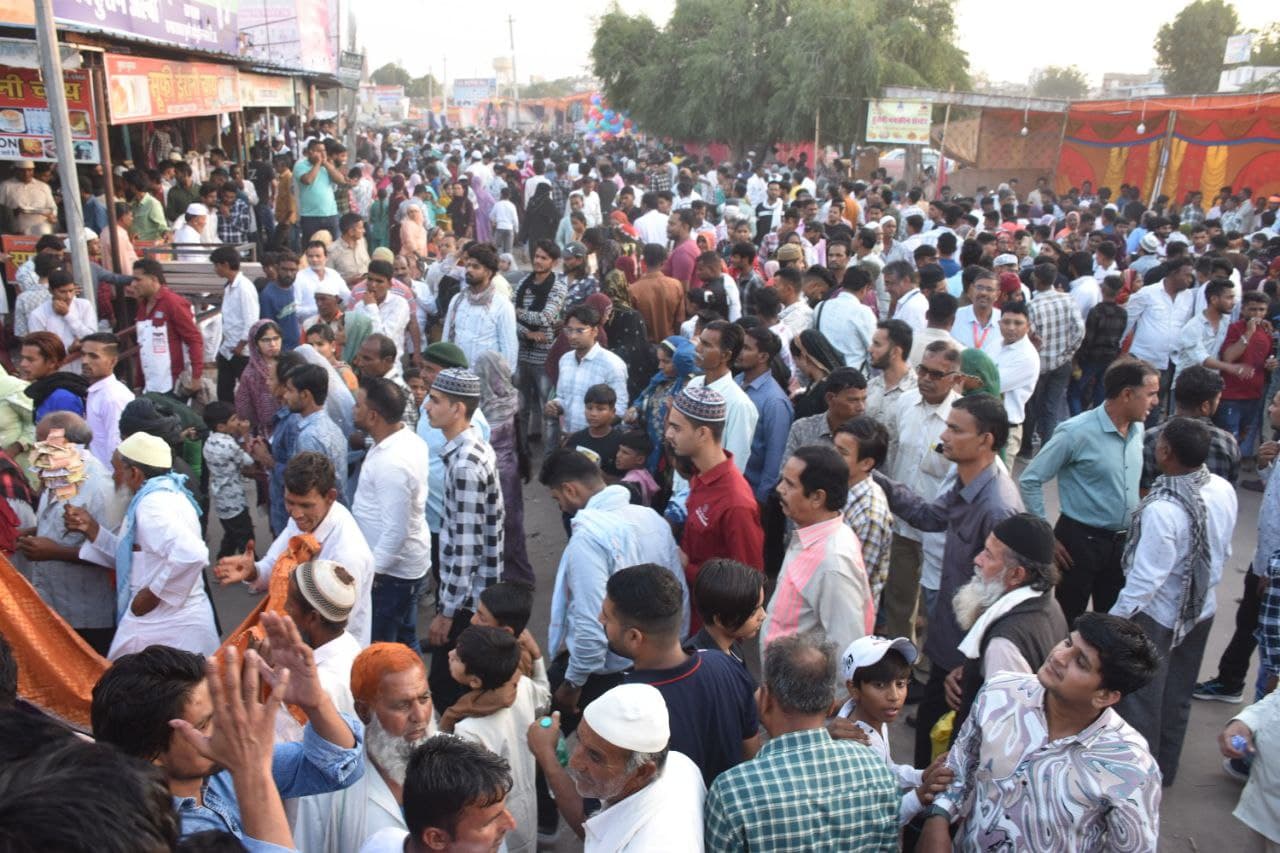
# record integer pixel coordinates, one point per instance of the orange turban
(376, 663)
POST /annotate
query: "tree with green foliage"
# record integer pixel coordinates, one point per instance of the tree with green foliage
(1189, 48)
(1057, 81)
(558, 88)
(426, 86)
(391, 74)
(744, 71)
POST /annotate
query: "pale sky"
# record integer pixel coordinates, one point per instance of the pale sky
(553, 39)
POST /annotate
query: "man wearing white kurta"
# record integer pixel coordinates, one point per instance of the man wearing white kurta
(158, 554)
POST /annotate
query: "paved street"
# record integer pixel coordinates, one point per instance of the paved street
(1196, 812)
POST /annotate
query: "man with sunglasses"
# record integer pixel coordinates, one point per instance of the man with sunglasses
(915, 425)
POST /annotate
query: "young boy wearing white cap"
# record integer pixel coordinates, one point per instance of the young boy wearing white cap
(876, 672)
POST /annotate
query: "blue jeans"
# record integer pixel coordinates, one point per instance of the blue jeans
(395, 610)
(1050, 401)
(1087, 392)
(1243, 419)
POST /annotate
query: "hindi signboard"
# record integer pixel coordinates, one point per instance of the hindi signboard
(208, 25)
(899, 122)
(26, 129)
(141, 89)
(350, 67)
(469, 91)
(263, 90)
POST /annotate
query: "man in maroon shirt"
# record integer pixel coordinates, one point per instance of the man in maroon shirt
(1247, 348)
(166, 330)
(684, 249)
(723, 519)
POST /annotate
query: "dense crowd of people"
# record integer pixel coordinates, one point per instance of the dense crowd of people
(799, 428)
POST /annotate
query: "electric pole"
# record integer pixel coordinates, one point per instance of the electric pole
(515, 81)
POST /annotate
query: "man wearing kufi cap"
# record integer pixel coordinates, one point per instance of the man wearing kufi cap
(652, 796)
(158, 554)
(194, 219)
(1009, 611)
(471, 531)
(30, 201)
(322, 595)
(722, 517)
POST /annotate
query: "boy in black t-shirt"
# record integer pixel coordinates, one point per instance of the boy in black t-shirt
(600, 437)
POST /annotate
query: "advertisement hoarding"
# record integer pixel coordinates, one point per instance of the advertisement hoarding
(26, 129)
(899, 122)
(140, 89)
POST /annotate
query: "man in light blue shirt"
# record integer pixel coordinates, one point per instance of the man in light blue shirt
(846, 321)
(759, 348)
(135, 700)
(314, 176)
(1096, 457)
(306, 391)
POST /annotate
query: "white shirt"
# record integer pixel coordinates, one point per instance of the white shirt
(849, 325)
(1086, 292)
(504, 217)
(1153, 584)
(503, 733)
(106, 400)
(341, 541)
(597, 367)
(913, 460)
(1198, 340)
(591, 209)
(531, 185)
(333, 666)
(1259, 806)
(342, 821)
(1019, 366)
(974, 335)
(239, 312)
(304, 290)
(169, 561)
(80, 320)
(907, 777)
(1155, 324)
(665, 815)
(798, 316)
(911, 309)
(187, 234)
(757, 190)
(652, 227)
(921, 339)
(391, 318)
(480, 328)
(390, 505)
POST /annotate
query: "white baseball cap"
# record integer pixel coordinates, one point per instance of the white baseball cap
(328, 286)
(866, 651)
(1006, 260)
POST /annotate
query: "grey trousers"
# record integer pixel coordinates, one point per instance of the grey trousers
(535, 389)
(1160, 710)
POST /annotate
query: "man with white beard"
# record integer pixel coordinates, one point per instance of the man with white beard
(389, 685)
(1009, 610)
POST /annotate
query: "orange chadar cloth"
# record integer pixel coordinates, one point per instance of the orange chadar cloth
(56, 668)
(249, 634)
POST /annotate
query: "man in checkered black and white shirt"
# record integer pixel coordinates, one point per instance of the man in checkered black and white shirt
(1057, 331)
(471, 531)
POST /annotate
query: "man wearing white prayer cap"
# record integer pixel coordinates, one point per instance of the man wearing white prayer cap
(321, 596)
(652, 797)
(158, 553)
(193, 223)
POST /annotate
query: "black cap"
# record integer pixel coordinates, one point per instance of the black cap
(1029, 535)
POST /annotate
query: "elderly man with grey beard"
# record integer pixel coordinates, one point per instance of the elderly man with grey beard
(389, 686)
(651, 795)
(1008, 609)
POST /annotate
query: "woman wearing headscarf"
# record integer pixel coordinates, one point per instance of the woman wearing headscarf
(815, 358)
(628, 337)
(462, 213)
(540, 219)
(649, 408)
(398, 197)
(978, 373)
(501, 406)
(484, 204)
(255, 401)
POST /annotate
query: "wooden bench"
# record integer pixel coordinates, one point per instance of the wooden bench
(197, 281)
